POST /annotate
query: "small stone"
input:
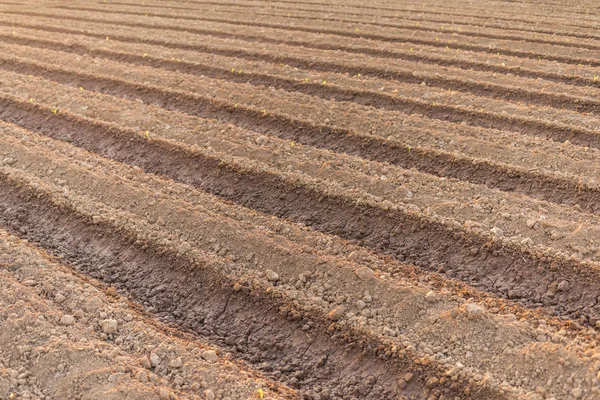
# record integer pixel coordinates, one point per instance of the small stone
(96, 219)
(388, 331)
(142, 376)
(145, 362)
(577, 393)
(109, 326)
(563, 286)
(272, 276)
(408, 377)
(154, 360)
(360, 304)
(209, 394)
(176, 363)
(163, 394)
(66, 320)
(431, 296)
(497, 231)
(29, 282)
(115, 377)
(210, 356)
(365, 273)
(59, 298)
(184, 248)
(530, 223)
(336, 313)
(474, 311)
(92, 304)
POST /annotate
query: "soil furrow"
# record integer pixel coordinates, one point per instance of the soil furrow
(68, 359)
(425, 55)
(492, 13)
(433, 240)
(342, 139)
(452, 23)
(548, 52)
(81, 173)
(161, 275)
(559, 188)
(519, 91)
(560, 40)
(557, 131)
(292, 199)
(351, 173)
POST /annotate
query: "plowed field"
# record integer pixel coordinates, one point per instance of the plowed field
(251, 199)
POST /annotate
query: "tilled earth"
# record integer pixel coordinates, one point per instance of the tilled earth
(244, 199)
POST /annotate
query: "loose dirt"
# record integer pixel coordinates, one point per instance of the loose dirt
(299, 200)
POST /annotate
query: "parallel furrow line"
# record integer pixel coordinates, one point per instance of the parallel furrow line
(407, 56)
(505, 177)
(377, 37)
(554, 131)
(494, 91)
(419, 238)
(512, 17)
(463, 32)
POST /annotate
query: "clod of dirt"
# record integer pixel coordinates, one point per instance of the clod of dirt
(336, 314)
(365, 273)
(474, 311)
(109, 326)
(271, 275)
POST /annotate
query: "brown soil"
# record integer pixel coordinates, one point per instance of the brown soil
(221, 200)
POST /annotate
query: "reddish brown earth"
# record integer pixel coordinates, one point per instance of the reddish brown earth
(245, 199)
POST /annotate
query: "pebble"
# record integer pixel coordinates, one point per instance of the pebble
(145, 362)
(184, 248)
(365, 273)
(577, 393)
(210, 356)
(474, 311)
(142, 376)
(431, 296)
(530, 223)
(176, 363)
(163, 394)
(388, 331)
(336, 313)
(59, 298)
(92, 304)
(109, 326)
(563, 286)
(497, 231)
(271, 275)
(209, 394)
(360, 304)
(154, 360)
(67, 320)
